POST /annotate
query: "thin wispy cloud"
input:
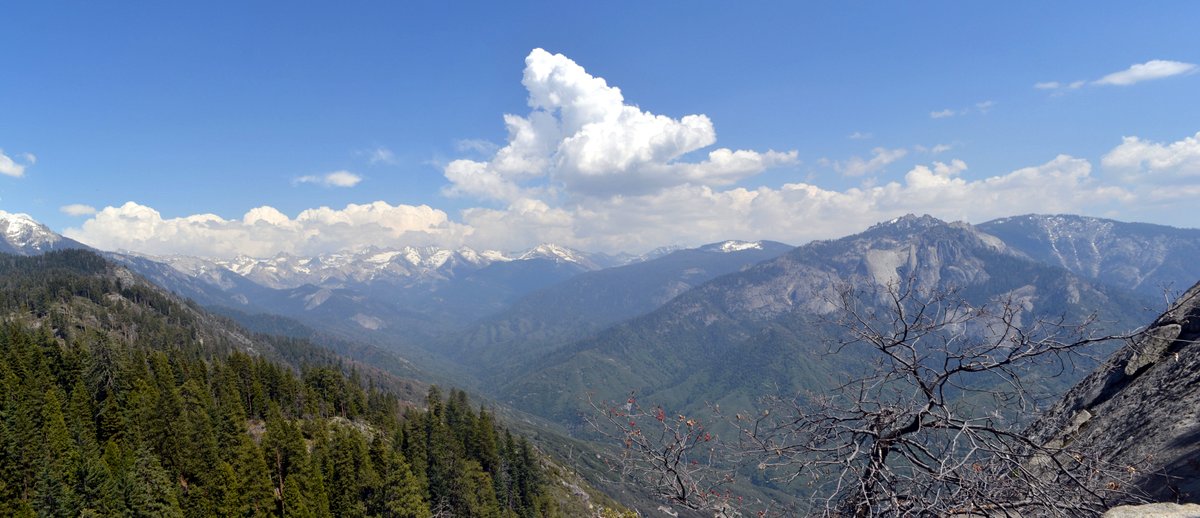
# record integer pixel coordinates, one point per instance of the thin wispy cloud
(1138, 73)
(77, 209)
(480, 146)
(981, 107)
(10, 167)
(382, 155)
(934, 149)
(334, 179)
(858, 135)
(880, 158)
(1148, 71)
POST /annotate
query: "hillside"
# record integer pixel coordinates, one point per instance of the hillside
(1136, 256)
(767, 329)
(120, 399)
(573, 309)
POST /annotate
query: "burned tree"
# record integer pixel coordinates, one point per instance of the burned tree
(930, 423)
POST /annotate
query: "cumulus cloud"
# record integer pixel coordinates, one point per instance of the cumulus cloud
(881, 157)
(77, 209)
(585, 169)
(265, 231)
(798, 212)
(582, 138)
(1137, 159)
(10, 167)
(1150, 70)
(334, 179)
(685, 214)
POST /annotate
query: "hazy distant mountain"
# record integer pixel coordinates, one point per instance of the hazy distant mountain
(406, 298)
(763, 330)
(22, 235)
(1136, 256)
(588, 302)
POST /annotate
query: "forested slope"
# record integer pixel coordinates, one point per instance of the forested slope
(117, 399)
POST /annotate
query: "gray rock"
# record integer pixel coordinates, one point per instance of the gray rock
(1141, 409)
(1154, 511)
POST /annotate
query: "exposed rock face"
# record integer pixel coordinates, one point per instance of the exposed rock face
(1141, 408)
(1135, 256)
(1155, 511)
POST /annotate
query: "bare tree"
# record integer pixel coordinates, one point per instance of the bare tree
(931, 425)
(670, 456)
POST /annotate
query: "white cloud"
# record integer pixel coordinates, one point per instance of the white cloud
(686, 213)
(1139, 159)
(265, 231)
(858, 135)
(77, 209)
(587, 170)
(382, 155)
(795, 212)
(881, 157)
(1150, 70)
(334, 179)
(10, 167)
(1153, 69)
(981, 107)
(581, 138)
(934, 150)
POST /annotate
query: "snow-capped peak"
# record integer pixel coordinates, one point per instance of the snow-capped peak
(555, 252)
(25, 234)
(732, 246)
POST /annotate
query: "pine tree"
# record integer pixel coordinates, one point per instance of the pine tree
(254, 494)
(150, 492)
(283, 448)
(398, 493)
(56, 481)
(348, 473)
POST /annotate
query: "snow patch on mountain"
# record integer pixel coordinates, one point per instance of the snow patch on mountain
(25, 234)
(732, 246)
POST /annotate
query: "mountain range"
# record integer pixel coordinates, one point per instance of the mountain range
(723, 324)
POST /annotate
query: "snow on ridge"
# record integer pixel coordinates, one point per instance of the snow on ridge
(22, 231)
(732, 245)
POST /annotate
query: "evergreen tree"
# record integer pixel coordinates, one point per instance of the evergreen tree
(150, 492)
(255, 496)
(56, 481)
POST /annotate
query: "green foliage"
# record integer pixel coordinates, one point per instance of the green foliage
(113, 403)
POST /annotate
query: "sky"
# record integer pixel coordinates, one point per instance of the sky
(226, 128)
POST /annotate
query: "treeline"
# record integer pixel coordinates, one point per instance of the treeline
(117, 399)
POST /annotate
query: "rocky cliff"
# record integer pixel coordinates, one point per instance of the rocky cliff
(1141, 408)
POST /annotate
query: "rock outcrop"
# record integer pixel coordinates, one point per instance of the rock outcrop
(1155, 511)
(1141, 408)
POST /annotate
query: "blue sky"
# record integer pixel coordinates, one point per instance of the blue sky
(391, 115)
